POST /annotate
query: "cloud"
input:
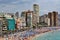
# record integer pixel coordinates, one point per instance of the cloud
(21, 1)
(15, 2)
(14, 8)
(20, 5)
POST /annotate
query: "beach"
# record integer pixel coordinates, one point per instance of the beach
(41, 34)
(28, 35)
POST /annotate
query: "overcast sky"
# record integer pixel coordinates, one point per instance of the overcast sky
(21, 5)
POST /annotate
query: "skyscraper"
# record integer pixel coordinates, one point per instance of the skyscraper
(53, 18)
(36, 11)
(55, 14)
(36, 14)
(50, 16)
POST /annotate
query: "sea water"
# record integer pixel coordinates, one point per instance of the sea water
(55, 35)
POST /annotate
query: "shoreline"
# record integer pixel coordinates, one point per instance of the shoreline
(41, 34)
(36, 35)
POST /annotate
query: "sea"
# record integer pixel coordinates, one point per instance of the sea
(55, 35)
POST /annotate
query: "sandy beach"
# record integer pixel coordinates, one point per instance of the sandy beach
(41, 34)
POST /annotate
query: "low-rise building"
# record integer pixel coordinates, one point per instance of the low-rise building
(44, 18)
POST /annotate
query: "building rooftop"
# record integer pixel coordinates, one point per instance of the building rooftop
(35, 4)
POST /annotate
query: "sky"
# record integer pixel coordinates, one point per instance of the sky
(45, 6)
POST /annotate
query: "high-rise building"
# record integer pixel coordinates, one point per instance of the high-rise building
(53, 18)
(23, 16)
(27, 15)
(35, 14)
(36, 11)
(29, 18)
(50, 16)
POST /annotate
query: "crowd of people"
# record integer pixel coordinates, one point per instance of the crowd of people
(28, 34)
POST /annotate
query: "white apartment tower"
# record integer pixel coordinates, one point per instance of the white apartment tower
(36, 11)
